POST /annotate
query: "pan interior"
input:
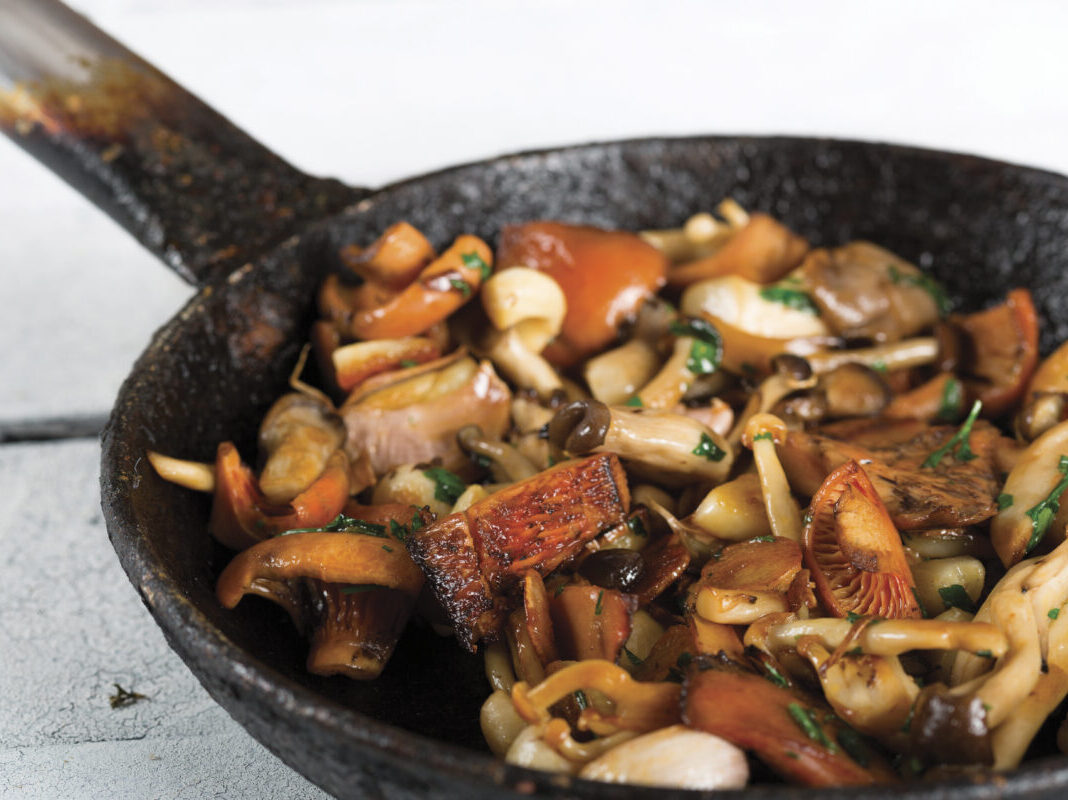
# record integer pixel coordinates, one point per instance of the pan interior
(980, 227)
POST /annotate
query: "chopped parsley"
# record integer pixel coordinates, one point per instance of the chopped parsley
(766, 435)
(1043, 513)
(853, 617)
(633, 659)
(684, 660)
(954, 596)
(806, 721)
(925, 282)
(344, 524)
(952, 401)
(484, 461)
(706, 352)
(447, 485)
(581, 699)
(791, 298)
(637, 527)
(959, 444)
(460, 285)
(387, 548)
(984, 654)
(598, 606)
(473, 260)
(879, 366)
(1053, 613)
(1005, 501)
(763, 539)
(919, 602)
(773, 675)
(634, 402)
(708, 449)
(408, 362)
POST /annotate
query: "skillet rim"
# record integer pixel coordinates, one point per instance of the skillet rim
(208, 651)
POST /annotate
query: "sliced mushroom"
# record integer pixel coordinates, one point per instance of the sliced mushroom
(764, 311)
(605, 276)
(864, 291)
(415, 417)
(616, 376)
(527, 309)
(591, 621)
(674, 448)
(747, 581)
(298, 435)
(698, 350)
(354, 363)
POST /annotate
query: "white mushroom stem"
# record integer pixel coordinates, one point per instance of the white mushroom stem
(616, 375)
(508, 461)
(1018, 671)
(673, 380)
(1013, 736)
(892, 637)
(527, 308)
(195, 475)
(761, 435)
(792, 374)
(896, 355)
(738, 606)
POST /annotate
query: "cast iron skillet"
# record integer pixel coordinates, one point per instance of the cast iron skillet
(256, 235)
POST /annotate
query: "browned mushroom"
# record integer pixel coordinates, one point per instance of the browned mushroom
(413, 416)
(475, 558)
(865, 291)
(297, 436)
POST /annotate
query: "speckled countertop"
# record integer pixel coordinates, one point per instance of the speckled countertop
(370, 91)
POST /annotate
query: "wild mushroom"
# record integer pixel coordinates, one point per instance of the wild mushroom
(394, 259)
(943, 583)
(854, 551)
(700, 236)
(413, 416)
(298, 435)
(590, 621)
(605, 276)
(865, 291)
(780, 312)
(791, 374)
(734, 510)
(762, 251)
(698, 350)
(500, 723)
(747, 581)
(195, 475)
(475, 557)
(526, 308)
(762, 433)
(672, 447)
(941, 399)
(354, 363)
(853, 390)
(508, 464)
(616, 375)
(890, 356)
(443, 286)
(675, 757)
(1030, 503)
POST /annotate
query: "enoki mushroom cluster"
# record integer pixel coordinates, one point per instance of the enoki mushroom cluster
(713, 503)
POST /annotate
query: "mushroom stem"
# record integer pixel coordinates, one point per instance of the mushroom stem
(677, 447)
(762, 433)
(672, 381)
(298, 434)
(892, 637)
(895, 355)
(616, 375)
(791, 374)
(193, 475)
(524, 367)
(506, 458)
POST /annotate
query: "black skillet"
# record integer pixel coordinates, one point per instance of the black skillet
(256, 235)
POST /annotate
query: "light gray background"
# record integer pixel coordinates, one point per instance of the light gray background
(371, 91)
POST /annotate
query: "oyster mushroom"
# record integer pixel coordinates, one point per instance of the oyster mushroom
(527, 309)
(673, 447)
(298, 435)
(413, 416)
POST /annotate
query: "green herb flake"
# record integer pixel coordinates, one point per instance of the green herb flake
(880, 367)
(1005, 501)
(768, 538)
(952, 401)
(805, 720)
(684, 660)
(416, 524)
(399, 532)
(633, 659)
(124, 697)
(806, 519)
(674, 676)
(637, 527)
(925, 282)
(854, 746)
(581, 699)
(1053, 613)
(856, 651)
(706, 352)
(360, 588)
(634, 402)
(708, 449)
(598, 608)
(919, 602)
(791, 298)
(984, 654)
(1043, 513)
(908, 718)
(407, 362)
(853, 617)
(765, 436)
(344, 524)
(482, 460)
(387, 548)
(954, 596)
(791, 754)
(473, 260)
(460, 285)
(447, 486)
(559, 590)
(773, 675)
(959, 442)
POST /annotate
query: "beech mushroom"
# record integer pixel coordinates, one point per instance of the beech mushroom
(791, 374)
(413, 416)
(616, 375)
(500, 723)
(762, 433)
(298, 435)
(195, 475)
(698, 350)
(701, 235)
(676, 757)
(672, 447)
(507, 462)
(734, 510)
(527, 309)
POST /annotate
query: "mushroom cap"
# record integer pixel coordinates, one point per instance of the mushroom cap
(527, 300)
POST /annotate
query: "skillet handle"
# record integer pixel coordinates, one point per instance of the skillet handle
(186, 182)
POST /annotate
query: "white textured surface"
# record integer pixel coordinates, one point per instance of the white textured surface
(71, 626)
(371, 91)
